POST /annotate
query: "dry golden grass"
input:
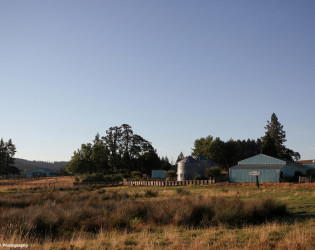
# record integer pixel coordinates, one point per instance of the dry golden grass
(296, 233)
(47, 182)
(268, 236)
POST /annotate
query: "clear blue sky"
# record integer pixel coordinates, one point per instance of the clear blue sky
(173, 70)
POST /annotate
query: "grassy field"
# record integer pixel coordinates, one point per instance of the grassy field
(221, 216)
(27, 183)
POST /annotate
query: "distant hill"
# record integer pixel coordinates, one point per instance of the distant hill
(22, 164)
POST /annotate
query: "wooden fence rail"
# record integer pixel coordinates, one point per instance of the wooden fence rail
(59, 184)
(305, 179)
(169, 183)
(158, 183)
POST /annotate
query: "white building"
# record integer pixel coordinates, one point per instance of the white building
(190, 166)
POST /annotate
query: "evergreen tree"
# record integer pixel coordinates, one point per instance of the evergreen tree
(7, 152)
(180, 157)
(274, 139)
(165, 163)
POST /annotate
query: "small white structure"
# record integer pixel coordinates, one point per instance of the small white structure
(190, 166)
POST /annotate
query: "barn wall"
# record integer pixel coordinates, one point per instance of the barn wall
(191, 171)
(289, 171)
(266, 175)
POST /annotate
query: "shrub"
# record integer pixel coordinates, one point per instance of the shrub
(201, 215)
(182, 191)
(229, 212)
(136, 175)
(150, 193)
(213, 172)
(171, 175)
(101, 178)
(197, 177)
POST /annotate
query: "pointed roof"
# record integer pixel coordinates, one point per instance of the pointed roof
(188, 159)
(267, 160)
(261, 159)
(200, 157)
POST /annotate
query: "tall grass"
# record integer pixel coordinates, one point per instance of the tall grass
(142, 218)
(57, 214)
(267, 236)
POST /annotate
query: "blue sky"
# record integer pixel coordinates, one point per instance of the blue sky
(173, 70)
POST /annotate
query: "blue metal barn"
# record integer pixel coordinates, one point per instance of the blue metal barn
(270, 169)
(42, 172)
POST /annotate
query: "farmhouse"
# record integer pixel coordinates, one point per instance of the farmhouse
(270, 169)
(190, 166)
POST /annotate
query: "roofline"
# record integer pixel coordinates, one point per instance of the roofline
(263, 155)
(266, 166)
(306, 161)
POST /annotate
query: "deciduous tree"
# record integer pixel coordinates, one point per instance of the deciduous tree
(119, 151)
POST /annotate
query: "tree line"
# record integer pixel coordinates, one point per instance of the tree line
(119, 151)
(229, 153)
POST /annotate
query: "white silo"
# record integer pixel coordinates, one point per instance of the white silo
(187, 168)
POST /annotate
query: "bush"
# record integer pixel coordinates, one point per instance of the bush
(197, 177)
(229, 212)
(201, 215)
(170, 175)
(213, 172)
(150, 193)
(181, 191)
(101, 178)
(136, 175)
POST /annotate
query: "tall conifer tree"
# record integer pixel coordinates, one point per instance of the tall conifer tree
(274, 139)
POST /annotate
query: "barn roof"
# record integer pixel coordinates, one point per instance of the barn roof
(200, 157)
(262, 159)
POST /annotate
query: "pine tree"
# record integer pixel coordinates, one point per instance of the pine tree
(7, 151)
(274, 139)
(180, 157)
